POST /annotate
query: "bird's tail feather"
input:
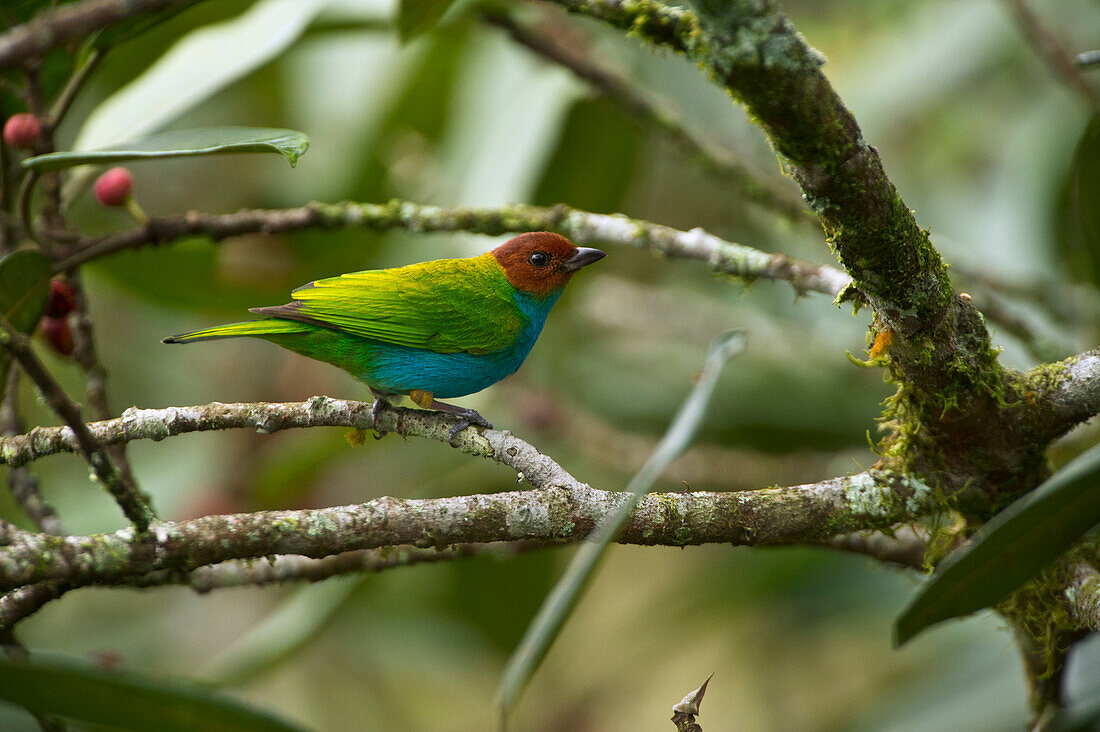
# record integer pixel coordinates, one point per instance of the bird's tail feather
(268, 326)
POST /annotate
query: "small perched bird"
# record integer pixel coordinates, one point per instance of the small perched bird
(445, 328)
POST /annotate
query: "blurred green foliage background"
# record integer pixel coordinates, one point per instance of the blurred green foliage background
(974, 130)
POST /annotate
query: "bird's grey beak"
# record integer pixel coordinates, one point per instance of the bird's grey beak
(583, 256)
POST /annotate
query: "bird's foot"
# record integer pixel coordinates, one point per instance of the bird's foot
(466, 418)
(380, 403)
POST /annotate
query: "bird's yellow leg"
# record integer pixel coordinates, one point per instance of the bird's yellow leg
(466, 417)
(421, 398)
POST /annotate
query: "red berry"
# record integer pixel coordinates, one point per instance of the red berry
(62, 299)
(22, 130)
(113, 188)
(58, 334)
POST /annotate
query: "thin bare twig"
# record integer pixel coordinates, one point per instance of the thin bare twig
(903, 546)
(294, 568)
(22, 602)
(546, 42)
(95, 376)
(23, 484)
(1087, 59)
(52, 28)
(1052, 50)
(129, 498)
(67, 95)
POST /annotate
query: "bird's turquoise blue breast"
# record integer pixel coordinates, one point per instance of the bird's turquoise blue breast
(400, 369)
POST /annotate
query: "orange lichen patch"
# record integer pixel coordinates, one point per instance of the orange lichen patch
(527, 272)
(883, 340)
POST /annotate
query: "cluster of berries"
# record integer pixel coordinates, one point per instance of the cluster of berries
(55, 324)
(113, 188)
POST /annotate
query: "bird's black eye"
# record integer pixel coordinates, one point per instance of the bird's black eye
(539, 259)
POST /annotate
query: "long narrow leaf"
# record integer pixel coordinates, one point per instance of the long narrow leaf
(195, 68)
(559, 604)
(276, 637)
(418, 16)
(198, 66)
(182, 143)
(1011, 548)
(126, 700)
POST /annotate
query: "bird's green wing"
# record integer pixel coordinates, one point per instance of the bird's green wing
(447, 306)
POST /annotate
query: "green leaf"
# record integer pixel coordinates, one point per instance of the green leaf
(196, 67)
(418, 16)
(24, 289)
(127, 700)
(134, 26)
(559, 604)
(182, 143)
(1087, 164)
(1011, 548)
(1080, 688)
(1076, 215)
(597, 135)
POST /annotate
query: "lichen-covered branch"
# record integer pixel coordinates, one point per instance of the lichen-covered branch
(23, 602)
(1064, 394)
(1083, 595)
(156, 424)
(582, 227)
(560, 511)
(71, 22)
(133, 503)
(545, 42)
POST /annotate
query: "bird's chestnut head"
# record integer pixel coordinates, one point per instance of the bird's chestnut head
(541, 262)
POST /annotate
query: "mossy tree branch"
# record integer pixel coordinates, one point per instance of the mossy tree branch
(959, 419)
(753, 51)
(549, 515)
